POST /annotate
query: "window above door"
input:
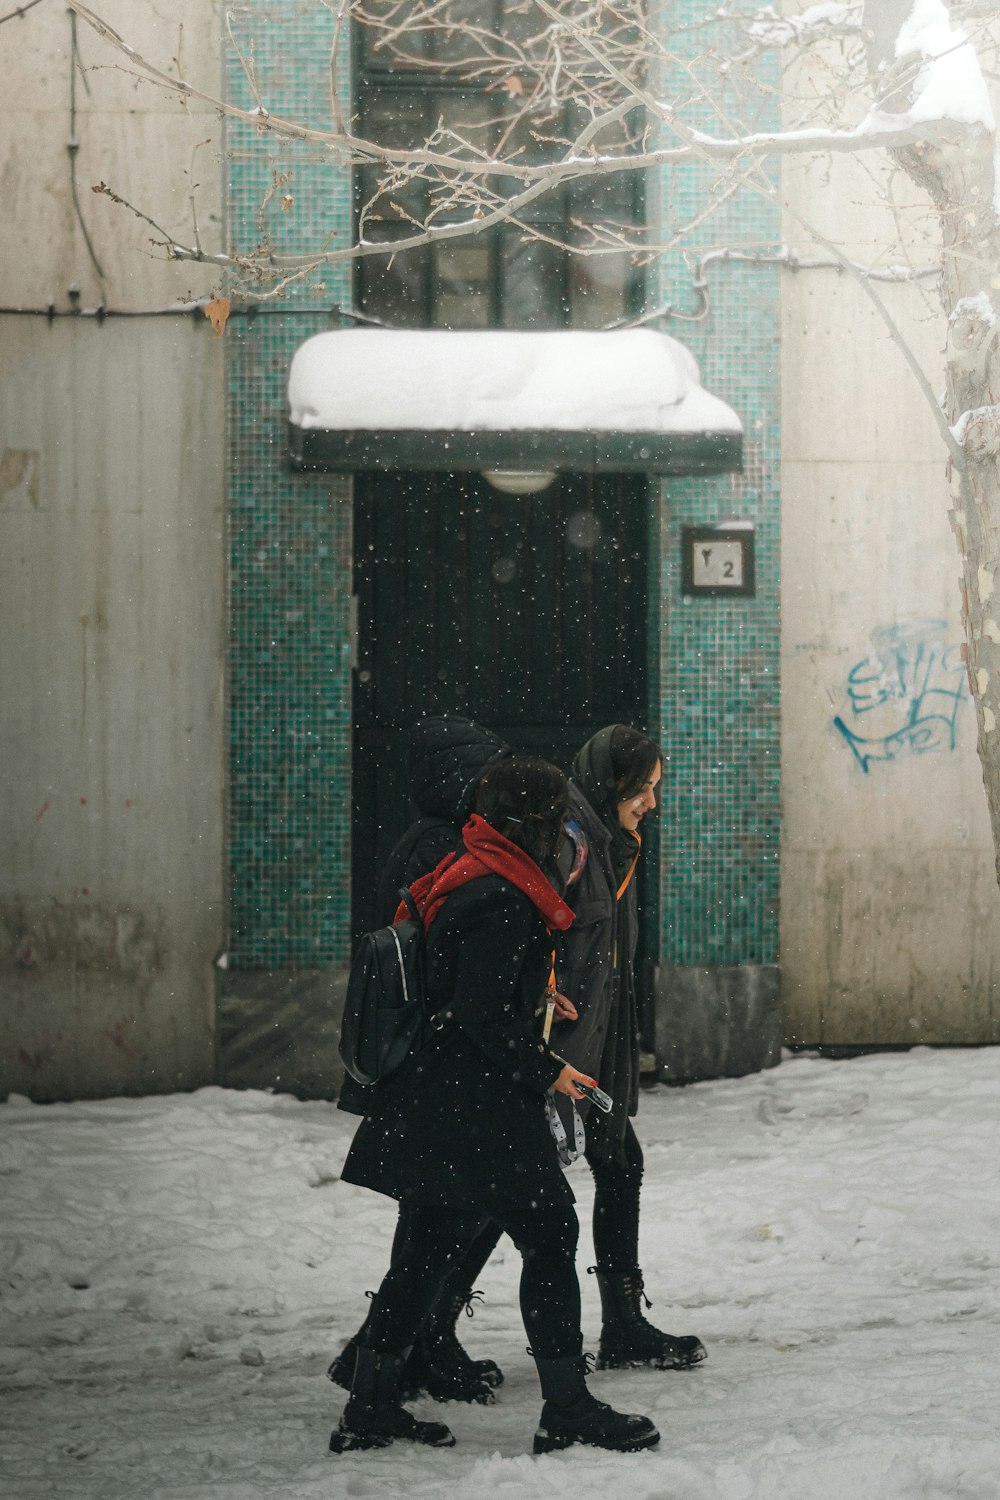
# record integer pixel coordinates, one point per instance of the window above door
(460, 73)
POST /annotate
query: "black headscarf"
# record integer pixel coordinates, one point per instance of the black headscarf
(594, 774)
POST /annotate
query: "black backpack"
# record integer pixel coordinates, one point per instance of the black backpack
(386, 1015)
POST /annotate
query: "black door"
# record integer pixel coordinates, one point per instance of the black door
(526, 613)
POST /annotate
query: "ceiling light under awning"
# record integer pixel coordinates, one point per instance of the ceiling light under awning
(628, 400)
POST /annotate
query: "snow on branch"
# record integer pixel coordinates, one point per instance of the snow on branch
(949, 84)
(775, 30)
(978, 431)
(567, 89)
(876, 130)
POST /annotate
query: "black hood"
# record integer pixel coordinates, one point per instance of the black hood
(446, 757)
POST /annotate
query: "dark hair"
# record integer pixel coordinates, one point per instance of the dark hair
(525, 799)
(634, 758)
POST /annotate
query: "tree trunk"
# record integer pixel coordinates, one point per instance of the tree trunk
(961, 180)
(960, 176)
(973, 391)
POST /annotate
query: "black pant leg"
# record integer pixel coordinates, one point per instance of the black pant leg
(462, 1278)
(434, 1243)
(616, 1205)
(399, 1238)
(428, 1244)
(550, 1290)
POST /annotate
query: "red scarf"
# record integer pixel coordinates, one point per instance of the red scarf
(487, 853)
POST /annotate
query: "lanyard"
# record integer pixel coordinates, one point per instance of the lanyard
(621, 891)
(550, 1004)
(631, 869)
(567, 1153)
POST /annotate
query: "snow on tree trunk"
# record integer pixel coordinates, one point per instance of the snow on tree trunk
(960, 175)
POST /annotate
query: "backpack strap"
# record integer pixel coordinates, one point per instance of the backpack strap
(406, 897)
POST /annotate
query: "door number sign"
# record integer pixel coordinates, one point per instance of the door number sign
(718, 560)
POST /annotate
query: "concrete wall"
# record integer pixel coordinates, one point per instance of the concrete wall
(890, 927)
(112, 606)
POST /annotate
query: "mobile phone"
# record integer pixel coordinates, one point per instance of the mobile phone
(595, 1095)
(590, 1090)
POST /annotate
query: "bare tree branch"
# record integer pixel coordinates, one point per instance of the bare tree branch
(20, 12)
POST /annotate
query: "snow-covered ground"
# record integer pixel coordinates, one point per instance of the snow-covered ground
(176, 1273)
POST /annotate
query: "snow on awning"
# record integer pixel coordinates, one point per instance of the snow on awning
(628, 400)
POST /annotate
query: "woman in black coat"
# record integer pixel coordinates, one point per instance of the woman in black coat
(460, 1132)
(447, 756)
(615, 776)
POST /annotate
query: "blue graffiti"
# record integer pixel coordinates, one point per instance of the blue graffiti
(913, 682)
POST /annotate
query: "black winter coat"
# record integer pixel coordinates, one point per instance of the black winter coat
(463, 1123)
(446, 757)
(585, 971)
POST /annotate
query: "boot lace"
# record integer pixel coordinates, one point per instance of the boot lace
(637, 1286)
(634, 1284)
(587, 1360)
(467, 1302)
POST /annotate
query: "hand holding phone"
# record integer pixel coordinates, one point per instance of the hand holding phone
(582, 1085)
(595, 1095)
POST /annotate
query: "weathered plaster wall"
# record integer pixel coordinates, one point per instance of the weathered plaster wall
(890, 926)
(111, 501)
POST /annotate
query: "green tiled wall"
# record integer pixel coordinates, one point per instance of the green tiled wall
(289, 534)
(716, 660)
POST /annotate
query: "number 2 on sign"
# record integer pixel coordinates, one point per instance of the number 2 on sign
(728, 571)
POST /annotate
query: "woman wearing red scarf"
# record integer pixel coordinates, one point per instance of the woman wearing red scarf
(460, 1133)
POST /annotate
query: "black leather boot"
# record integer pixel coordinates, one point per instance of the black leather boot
(572, 1415)
(341, 1370)
(440, 1366)
(627, 1339)
(437, 1363)
(374, 1416)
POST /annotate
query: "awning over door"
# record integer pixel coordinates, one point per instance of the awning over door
(624, 401)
